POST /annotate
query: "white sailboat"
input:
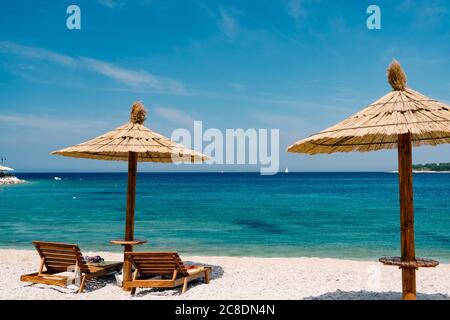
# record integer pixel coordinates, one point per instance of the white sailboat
(286, 171)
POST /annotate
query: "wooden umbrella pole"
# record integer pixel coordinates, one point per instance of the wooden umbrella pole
(131, 204)
(406, 214)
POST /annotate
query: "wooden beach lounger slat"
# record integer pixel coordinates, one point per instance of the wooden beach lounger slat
(61, 261)
(161, 270)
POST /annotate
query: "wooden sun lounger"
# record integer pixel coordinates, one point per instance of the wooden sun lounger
(162, 270)
(63, 262)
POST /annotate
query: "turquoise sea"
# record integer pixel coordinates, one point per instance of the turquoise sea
(342, 215)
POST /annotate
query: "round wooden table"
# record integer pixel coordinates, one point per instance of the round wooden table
(416, 263)
(128, 242)
(127, 247)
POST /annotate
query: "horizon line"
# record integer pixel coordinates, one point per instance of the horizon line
(375, 171)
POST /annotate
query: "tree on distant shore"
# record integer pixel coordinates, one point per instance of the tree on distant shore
(432, 167)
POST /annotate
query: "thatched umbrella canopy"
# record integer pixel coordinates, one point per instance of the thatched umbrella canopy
(132, 142)
(401, 119)
(132, 137)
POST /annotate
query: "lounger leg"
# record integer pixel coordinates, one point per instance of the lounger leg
(83, 283)
(185, 282)
(41, 267)
(206, 276)
(135, 274)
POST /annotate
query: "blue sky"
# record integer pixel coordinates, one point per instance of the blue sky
(296, 65)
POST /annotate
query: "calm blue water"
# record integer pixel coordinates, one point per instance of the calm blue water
(346, 215)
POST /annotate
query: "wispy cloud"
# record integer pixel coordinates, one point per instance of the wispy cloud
(112, 4)
(296, 9)
(133, 79)
(206, 8)
(47, 123)
(130, 77)
(226, 19)
(36, 53)
(175, 115)
(433, 13)
(278, 121)
(228, 24)
(237, 86)
(426, 15)
(291, 127)
(427, 60)
(339, 25)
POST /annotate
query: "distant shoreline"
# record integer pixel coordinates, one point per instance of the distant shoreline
(432, 167)
(429, 171)
(422, 171)
(184, 172)
(10, 180)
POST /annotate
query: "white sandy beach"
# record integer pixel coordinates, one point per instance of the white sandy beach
(242, 278)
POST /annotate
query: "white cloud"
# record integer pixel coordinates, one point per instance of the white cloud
(207, 9)
(295, 8)
(175, 115)
(298, 8)
(228, 24)
(134, 79)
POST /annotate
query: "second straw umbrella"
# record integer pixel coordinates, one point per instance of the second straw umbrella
(401, 119)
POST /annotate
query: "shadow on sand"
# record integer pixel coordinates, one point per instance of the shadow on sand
(98, 283)
(217, 272)
(371, 295)
(91, 285)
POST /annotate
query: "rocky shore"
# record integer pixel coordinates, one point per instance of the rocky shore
(10, 180)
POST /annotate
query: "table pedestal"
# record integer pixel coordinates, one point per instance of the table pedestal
(127, 247)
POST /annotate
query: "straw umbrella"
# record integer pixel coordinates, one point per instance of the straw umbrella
(132, 142)
(401, 119)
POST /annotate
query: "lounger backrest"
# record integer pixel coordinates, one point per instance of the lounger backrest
(157, 263)
(61, 257)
